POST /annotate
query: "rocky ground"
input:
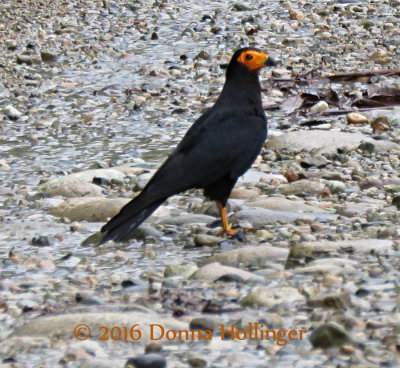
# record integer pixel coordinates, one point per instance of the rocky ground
(93, 96)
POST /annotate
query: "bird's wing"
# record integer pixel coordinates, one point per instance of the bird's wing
(220, 145)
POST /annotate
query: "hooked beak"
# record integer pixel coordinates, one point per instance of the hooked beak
(270, 62)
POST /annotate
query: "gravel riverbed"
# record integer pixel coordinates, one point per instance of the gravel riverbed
(93, 97)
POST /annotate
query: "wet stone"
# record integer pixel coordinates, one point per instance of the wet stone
(184, 270)
(147, 361)
(329, 335)
(201, 240)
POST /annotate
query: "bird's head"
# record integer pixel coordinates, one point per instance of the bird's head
(252, 58)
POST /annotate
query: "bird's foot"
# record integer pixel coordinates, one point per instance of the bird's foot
(229, 231)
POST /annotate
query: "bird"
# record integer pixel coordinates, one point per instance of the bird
(216, 150)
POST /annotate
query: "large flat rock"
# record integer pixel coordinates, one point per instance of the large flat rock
(214, 271)
(325, 141)
(86, 176)
(64, 325)
(254, 256)
(260, 216)
(283, 204)
(89, 208)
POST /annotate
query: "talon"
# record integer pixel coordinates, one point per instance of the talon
(229, 231)
(226, 226)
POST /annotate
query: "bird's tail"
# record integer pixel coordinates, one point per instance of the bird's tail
(127, 220)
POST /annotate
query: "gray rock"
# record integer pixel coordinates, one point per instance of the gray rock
(332, 265)
(270, 297)
(253, 256)
(244, 193)
(64, 324)
(147, 361)
(302, 187)
(102, 363)
(89, 208)
(283, 204)
(17, 345)
(83, 177)
(206, 240)
(214, 271)
(27, 59)
(339, 301)
(320, 249)
(4, 165)
(12, 112)
(325, 141)
(188, 218)
(336, 186)
(184, 270)
(260, 216)
(329, 335)
(77, 190)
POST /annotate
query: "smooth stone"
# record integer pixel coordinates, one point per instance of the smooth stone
(356, 118)
(12, 112)
(27, 59)
(272, 296)
(101, 363)
(336, 186)
(284, 204)
(243, 193)
(202, 323)
(215, 270)
(89, 208)
(85, 176)
(254, 256)
(325, 141)
(314, 161)
(64, 324)
(352, 209)
(318, 249)
(259, 217)
(201, 240)
(329, 335)
(253, 176)
(77, 190)
(93, 348)
(4, 165)
(339, 301)
(184, 270)
(320, 106)
(189, 218)
(331, 265)
(302, 187)
(147, 361)
(142, 180)
(264, 235)
(48, 203)
(17, 345)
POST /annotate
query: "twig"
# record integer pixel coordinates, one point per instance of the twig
(344, 75)
(341, 112)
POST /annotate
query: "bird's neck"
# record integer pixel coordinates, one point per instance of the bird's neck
(241, 89)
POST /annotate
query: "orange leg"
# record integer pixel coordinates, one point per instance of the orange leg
(226, 226)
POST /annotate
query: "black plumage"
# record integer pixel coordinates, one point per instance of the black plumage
(218, 148)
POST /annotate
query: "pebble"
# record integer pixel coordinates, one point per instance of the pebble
(329, 335)
(12, 112)
(320, 106)
(356, 118)
(147, 361)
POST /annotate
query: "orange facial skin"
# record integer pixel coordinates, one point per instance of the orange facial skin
(254, 60)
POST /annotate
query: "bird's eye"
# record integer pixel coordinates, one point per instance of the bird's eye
(249, 57)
